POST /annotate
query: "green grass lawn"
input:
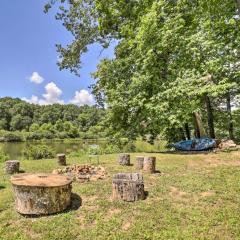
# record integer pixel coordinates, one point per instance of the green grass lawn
(194, 197)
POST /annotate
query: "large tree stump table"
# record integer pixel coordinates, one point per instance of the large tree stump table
(128, 187)
(12, 166)
(41, 194)
(124, 159)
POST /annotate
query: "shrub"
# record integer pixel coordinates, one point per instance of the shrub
(62, 135)
(38, 152)
(33, 136)
(3, 157)
(109, 149)
(11, 136)
(129, 147)
(79, 153)
(47, 134)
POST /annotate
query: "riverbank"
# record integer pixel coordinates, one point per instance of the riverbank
(78, 147)
(194, 197)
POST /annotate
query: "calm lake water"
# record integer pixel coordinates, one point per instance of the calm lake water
(14, 150)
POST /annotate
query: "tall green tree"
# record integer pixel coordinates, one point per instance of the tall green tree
(173, 60)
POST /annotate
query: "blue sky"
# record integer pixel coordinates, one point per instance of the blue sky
(27, 49)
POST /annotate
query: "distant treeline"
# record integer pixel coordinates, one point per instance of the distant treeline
(20, 120)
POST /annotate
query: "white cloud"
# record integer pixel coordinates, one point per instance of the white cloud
(53, 92)
(33, 99)
(82, 97)
(36, 78)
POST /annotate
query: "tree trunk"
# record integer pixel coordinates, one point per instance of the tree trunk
(210, 117)
(61, 159)
(139, 162)
(12, 166)
(187, 130)
(41, 194)
(128, 187)
(182, 134)
(230, 118)
(238, 6)
(124, 159)
(199, 130)
(149, 164)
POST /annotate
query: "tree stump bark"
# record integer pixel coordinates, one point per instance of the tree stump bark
(41, 194)
(124, 159)
(61, 159)
(149, 165)
(12, 166)
(128, 187)
(139, 162)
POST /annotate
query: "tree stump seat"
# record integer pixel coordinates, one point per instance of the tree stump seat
(12, 166)
(61, 159)
(149, 165)
(41, 194)
(124, 159)
(128, 187)
(139, 162)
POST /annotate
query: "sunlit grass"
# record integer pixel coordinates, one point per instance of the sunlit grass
(194, 197)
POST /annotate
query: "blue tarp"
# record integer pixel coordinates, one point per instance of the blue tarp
(200, 144)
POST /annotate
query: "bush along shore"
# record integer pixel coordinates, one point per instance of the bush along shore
(21, 121)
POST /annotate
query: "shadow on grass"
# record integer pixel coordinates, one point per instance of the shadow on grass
(2, 187)
(76, 202)
(146, 193)
(185, 152)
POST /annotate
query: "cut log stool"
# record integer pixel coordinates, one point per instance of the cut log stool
(12, 166)
(41, 194)
(128, 187)
(149, 164)
(139, 162)
(61, 159)
(124, 159)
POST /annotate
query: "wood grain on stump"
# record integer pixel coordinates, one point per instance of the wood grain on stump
(149, 164)
(139, 162)
(61, 159)
(41, 194)
(12, 166)
(128, 187)
(124, 159)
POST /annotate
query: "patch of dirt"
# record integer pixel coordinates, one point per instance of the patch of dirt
(33, 235)
(89, 198)
(212, 161)
(126, 225)
(218, 162)
(11, 223)
(111, 212)
(177, 193)
(207, 193)
(83, 224)
(91, 207)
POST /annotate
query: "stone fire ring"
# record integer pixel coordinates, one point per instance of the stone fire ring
(41, 194)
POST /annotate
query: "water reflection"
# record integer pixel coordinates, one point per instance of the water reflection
(14, 150)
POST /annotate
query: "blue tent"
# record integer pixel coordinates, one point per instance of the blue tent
(200, 144)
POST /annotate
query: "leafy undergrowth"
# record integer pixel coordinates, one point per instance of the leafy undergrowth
(194, 197)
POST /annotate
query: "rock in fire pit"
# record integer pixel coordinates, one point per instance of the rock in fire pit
(83, 173)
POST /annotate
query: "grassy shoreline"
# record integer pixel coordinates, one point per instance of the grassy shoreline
(194, 197)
